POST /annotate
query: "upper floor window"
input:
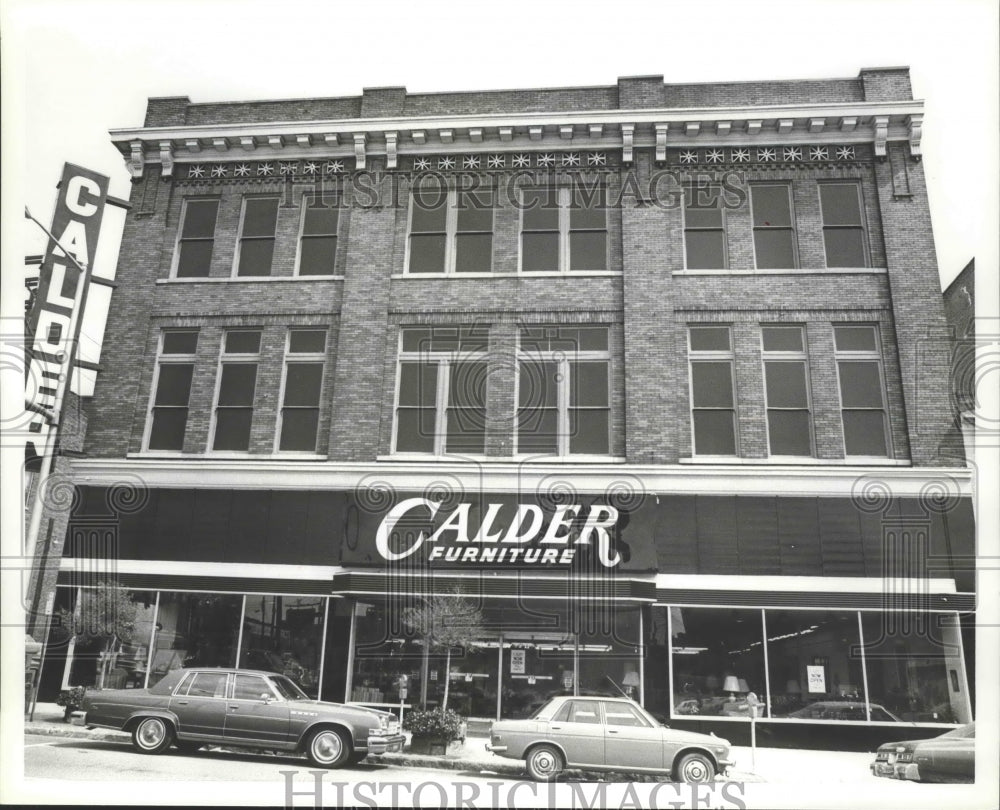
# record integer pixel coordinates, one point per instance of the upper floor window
(174, 371)
(441, 391)
(773, 226)
(713, 406)
(862, 390)
(563, 391)
(789, 425)
(317, 237)
(305, 353)
(196, 238)
(256, 246)
(704, 229)
(564, 229)
(843, 225)
(451, 230)
(237, 383)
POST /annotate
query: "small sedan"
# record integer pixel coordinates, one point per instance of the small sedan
(245, 708)
(607, 734)
(950, 757)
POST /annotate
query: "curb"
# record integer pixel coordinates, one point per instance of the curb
(510, 768)
(76, 732)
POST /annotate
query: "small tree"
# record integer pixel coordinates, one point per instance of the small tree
(105, 613)
(445, 621)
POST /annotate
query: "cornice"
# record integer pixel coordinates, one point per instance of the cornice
(627, 130)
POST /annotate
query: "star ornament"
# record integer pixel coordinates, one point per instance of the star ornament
(265, 169)
(766, 155)
(819, 153)
(310, 167)
(471, 162)
(421, 164)
(242, 170)
(446, 163)
(196, 171)
(714, 156)
(571, 159)
(495, 161)
(792, 153)
(548, 159)
(845, 153)
(334, 166)
(521, 161)
(219, 171)
(289, 168)
(596, 159)
(689, 156)
(741, 155)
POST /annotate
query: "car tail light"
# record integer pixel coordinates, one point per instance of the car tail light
(906, 756)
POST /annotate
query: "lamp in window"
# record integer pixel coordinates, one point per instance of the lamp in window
(731, 685)
(743, 686)
(631, 682)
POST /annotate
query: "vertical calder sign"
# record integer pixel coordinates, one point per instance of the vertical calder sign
(76, 223)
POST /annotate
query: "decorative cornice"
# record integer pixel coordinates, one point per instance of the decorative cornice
(916, 123)
(881, 125)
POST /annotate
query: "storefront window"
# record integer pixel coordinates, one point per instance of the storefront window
(915, 667)
(284, 634)
(815, 665)
(195, 630)
(125, 666)
(718, 660)
(382, 655)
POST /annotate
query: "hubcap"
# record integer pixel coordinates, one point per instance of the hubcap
(327, 746)
(544, 762)
(695, 771)
(151, 733)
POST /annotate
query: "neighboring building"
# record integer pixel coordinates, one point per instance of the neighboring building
(658, 371)
(960, 313)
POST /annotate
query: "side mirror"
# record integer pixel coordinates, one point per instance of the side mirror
(266, 697)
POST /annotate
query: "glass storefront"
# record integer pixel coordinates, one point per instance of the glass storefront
(284, 634)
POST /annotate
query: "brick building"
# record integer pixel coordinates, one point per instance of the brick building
(657, 373)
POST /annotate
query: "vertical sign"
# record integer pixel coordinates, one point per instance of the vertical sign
(516, 662)
(817, 678)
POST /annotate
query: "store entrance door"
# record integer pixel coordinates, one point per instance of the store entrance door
(536, 667)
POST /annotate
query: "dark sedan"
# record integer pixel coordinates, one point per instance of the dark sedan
(246, 708)
(948, 758)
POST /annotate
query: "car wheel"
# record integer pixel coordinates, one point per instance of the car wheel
(695, 768)
(328, 748)
(187, 747)
(544, 763)
(152, 735)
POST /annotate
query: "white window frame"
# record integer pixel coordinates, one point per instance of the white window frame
(239, 236)
(792, 227)
(451, 232)
(871, 355)
(444, 361)
(299, 358)
(175, 263)
(801, 356)
(713, 355)
(862, 221)
(690, 188)
(307, 199)
(565, 361)
(234, 358)
(564, 201)
(168, 359)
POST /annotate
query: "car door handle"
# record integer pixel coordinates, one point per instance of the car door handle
(612, 731)
(233, 708)
(556, 728)
(183, 702)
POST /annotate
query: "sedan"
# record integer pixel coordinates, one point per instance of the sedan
(246, 708)
(950, 757)
(607, 734)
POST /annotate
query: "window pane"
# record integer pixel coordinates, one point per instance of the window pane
(284, 634)
(588, 250)
(199, 219)
(593, 338)
(237, 386)
(773, 248)
(194, 259)
(473, 253)
(588, 431)
(845, 247)
(318, 256)
(703, 218)
(864, 433)
(855, 338)
(712, 384)
(475, 211)
(860, 385)
(714, 433)
(588, 384)
(208, 684)
(298, 429)
(770, 206)
(417, 340)
(588, 210)
(307, 340)
(180, 342)
(786, 384)
(539, 251)
(782, 338)
(538, 384)
(467, 385)
(789, 433)
(320, 219)
(418, 384)
(466, 431)
(536, 431)
(427, 254)
(840, 204)
(260, 217)
(242, 342)
(302, 383)
(174, 384)
(705, 250)
(540, 209)
(415, 430)
(429, 209)
(250, 687)
(232, 429)
(255, 257)
(709, 338)
(167, 431)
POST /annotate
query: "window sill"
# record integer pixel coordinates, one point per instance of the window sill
(798, 461)
(791, 271)
(245, 279)
(226, 456)
(525, 274)
(424, 457)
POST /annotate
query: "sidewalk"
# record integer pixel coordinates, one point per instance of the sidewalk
(772, 765)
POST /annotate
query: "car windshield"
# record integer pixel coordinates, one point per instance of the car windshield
(288, 689)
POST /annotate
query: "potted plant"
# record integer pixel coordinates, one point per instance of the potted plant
(433, 730)
(71, 699)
